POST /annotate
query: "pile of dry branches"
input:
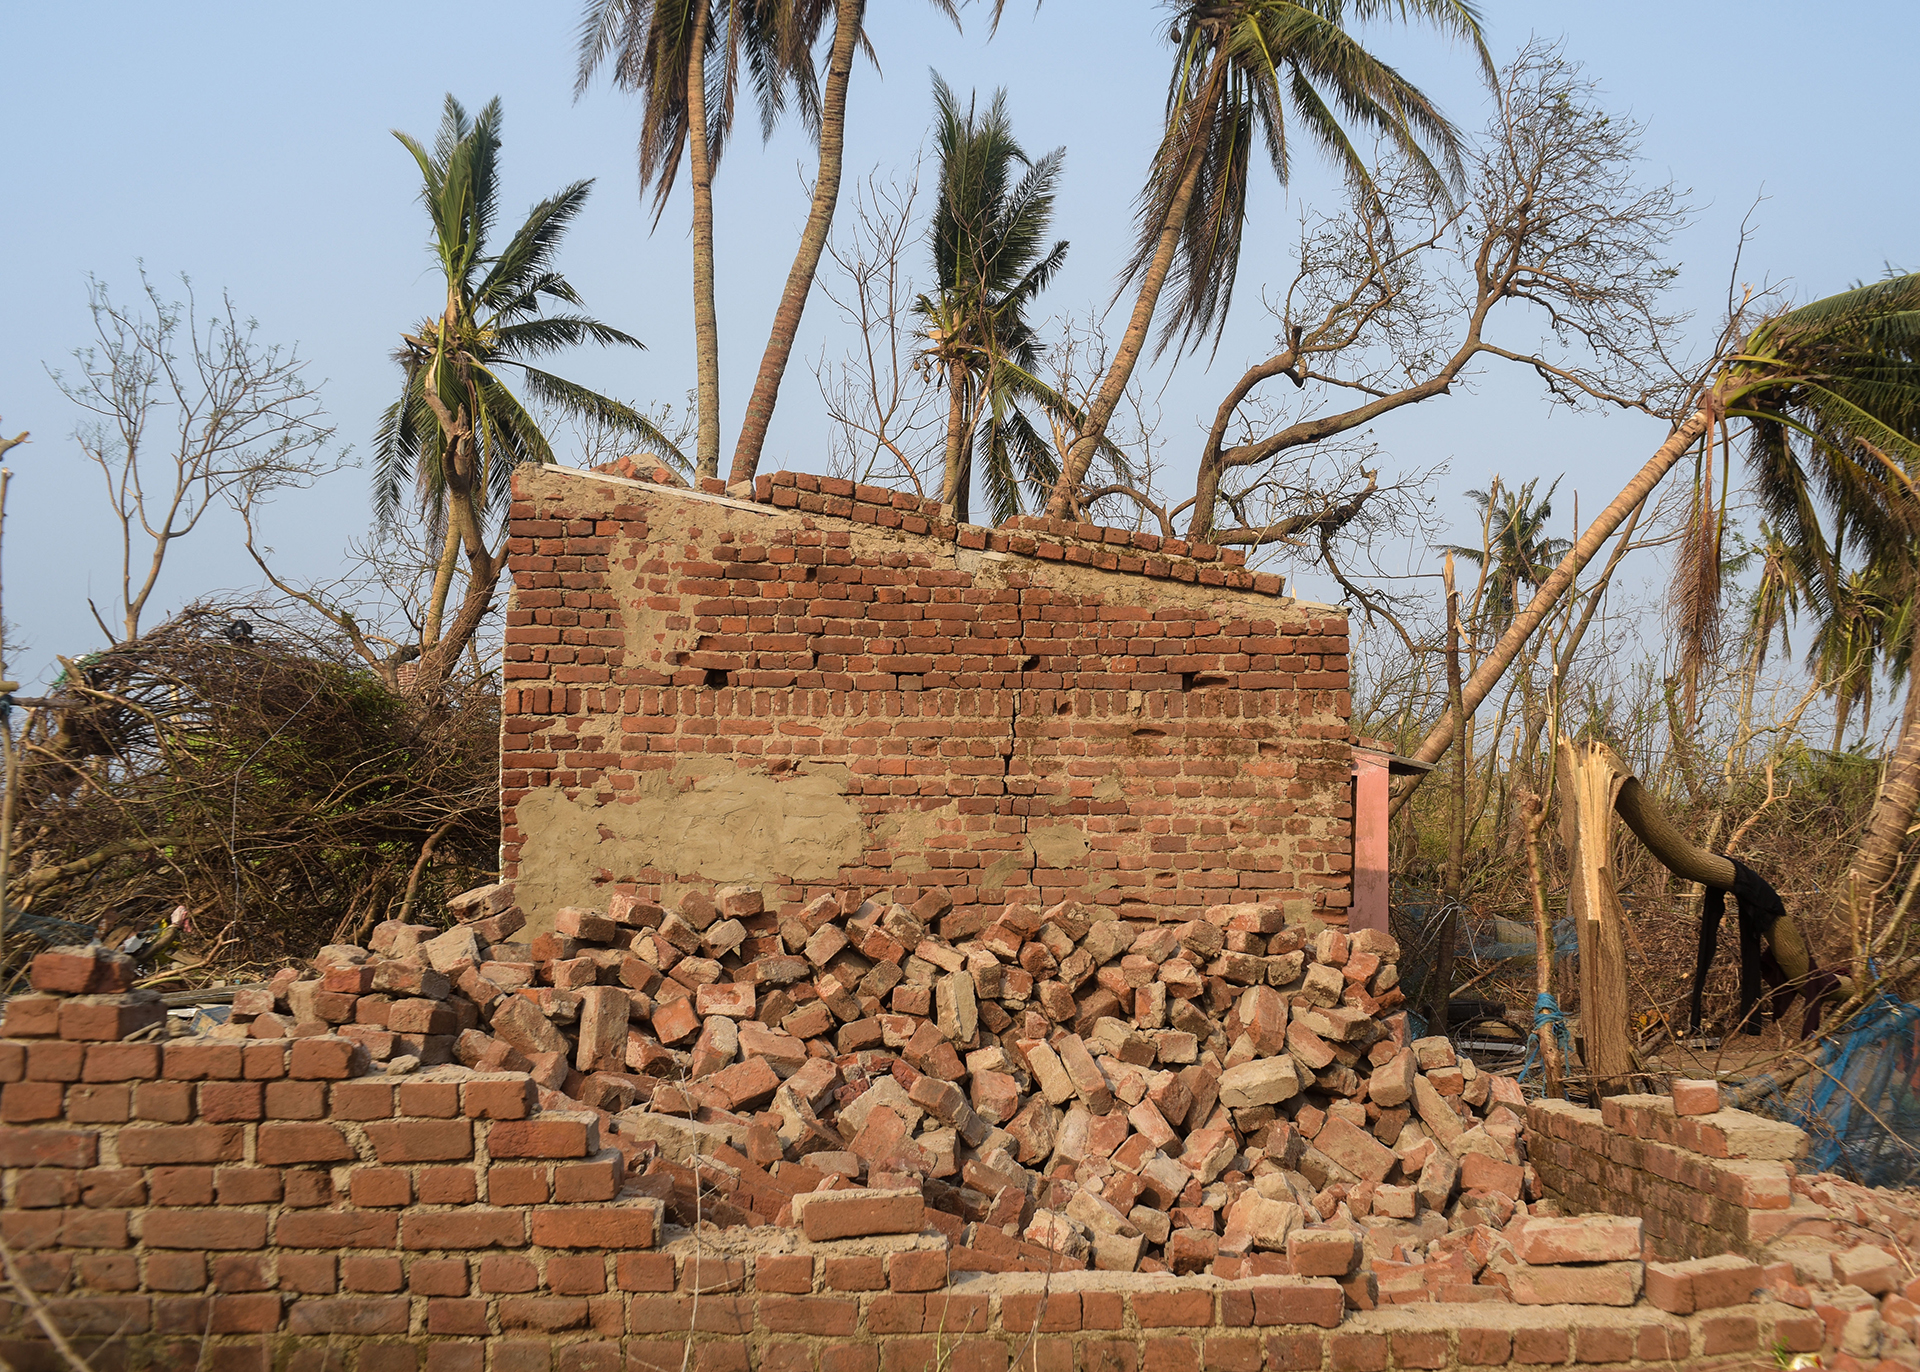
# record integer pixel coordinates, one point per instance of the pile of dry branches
(252, 774)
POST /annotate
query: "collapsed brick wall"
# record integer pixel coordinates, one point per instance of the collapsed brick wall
(1716, 1182)
(833, 689)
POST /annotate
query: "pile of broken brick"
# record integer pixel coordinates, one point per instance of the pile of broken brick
(1232, 1094)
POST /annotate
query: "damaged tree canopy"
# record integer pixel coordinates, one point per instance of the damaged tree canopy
(252, 773)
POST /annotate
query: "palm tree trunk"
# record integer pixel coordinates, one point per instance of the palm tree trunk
(956, 433)
(1495, 663)
(706, 322)
(1878, 856)
(847, 15)
(442, 582)
(1100, 412)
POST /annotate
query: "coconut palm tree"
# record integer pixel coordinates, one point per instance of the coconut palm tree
(1519, 552)
(808, 22)
(1239, 67)
(457, 431)
(990, 260)
(660, 50)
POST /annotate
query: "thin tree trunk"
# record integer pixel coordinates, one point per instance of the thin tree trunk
(1438, 1001)
(956, 448)
(442, 582)
(706, 322)
(1543, 946)
(1491, 667)
(1100, 412)
(847, 15)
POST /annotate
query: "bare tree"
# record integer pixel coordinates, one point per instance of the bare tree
(881, 399)
(1395, 301)
(190, 413)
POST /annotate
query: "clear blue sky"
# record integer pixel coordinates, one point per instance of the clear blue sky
(247, 146)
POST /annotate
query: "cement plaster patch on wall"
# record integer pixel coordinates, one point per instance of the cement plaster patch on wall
(706, 820)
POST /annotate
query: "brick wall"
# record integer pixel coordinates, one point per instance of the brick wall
(225, 1191)
(830, 688)
(1706, 1184)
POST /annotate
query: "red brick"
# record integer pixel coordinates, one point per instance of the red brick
(809, 1315)
(506, 1097)
(1424, 1349)
(122, 1062)
(296, 1100)
(380, 1186)
(456, 1357)
(371, 1274)
(539, 1138)
(421, 1140)
(49, 1147)
(454, 1231)
(918, 1270)
(215, 1229)
(1237, 1353)
(108, 1103)
(176, 1271)
(643, 1271)
(243, 1272)
(788, 1273)
(388, 1357)
(854, 1272)
(280, 1144)
(228, 1102)
(169, 1102)
(321, 1059)
(308, 1273)
(437, 1277)
(517, 1185)
(182, 1143)
(335, 1229)
(246, 1185)
(56, 1061)
(1054, 1312)
(508, 1273)
(579, 1274)
(180, 1186)
(31, 1102)
(849, 1357)
(446, 1186)
(372, 1315)
(677, 1315)
(360, 1100)
(1357, 1352)
(1536, 1346)
(263, 1061)
(455, 1317)
(438, 1100)
(205, 1060)
(622, 1227)
(1485, 1347)
(548, 1313)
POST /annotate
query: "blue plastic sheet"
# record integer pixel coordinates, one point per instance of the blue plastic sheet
(1861, 1104)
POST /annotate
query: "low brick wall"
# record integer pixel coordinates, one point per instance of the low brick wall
(1703, 1184)
(245, 1206)
(165, 1196)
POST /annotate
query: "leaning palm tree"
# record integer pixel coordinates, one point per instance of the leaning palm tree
(660, 50)
(1239, 67)
(990, 260)
(1831, 394)
(457, 431)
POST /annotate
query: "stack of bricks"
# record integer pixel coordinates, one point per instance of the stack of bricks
(246, 1204)
(1707, 1180)
(1043, 711)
